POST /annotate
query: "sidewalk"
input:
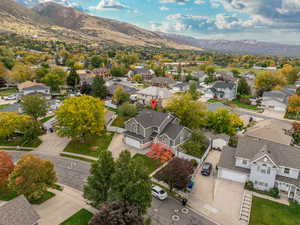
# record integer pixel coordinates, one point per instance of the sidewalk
(80, 155)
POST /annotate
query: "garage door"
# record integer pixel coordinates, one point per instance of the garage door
(232, 175)
(132, 142)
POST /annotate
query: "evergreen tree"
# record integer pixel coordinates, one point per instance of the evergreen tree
(98, 88)
(99, 182)
(243, 87)
(73, 78)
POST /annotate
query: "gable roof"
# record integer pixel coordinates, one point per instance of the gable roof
(18, 212)
(264, 152)
(172, 130)
(223, 85)
(150, 118)
(272, 130)
(162, 80)
(281, 155)
(29, 84)
(162, 93)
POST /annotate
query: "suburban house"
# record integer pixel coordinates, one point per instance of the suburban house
(180, 87)
(147, 74)
(102, 72)
(200, 75)
(31, 88)
(146, 95)
(18, 212)
(162, 82)
(272, 130)
(111, 88)
(151, 127)
(86, 76)
(297, 83)
(265, 163)
(276, 100)
(222, 90)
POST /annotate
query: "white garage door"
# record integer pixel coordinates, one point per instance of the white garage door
(232, 175)
(132, 142)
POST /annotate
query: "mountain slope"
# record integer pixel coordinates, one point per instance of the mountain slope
(241, 46)
(51, 21)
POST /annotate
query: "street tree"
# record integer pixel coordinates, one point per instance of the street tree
(55, 78)
(98, 87)
(32, 177)
(99, 182)
(191, 113)
(6, 167)
(80, 117)
(294, 105)
(131, 183)
(35, 106)
(117, 213)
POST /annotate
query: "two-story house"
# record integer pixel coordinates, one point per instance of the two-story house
(144, 96)
(276, 100)
(265, 163)
(147, 74)
(151, 127)
(222, 90)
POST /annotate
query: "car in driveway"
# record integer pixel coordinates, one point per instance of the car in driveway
(206, 169)
(159, 193)
(10, 97)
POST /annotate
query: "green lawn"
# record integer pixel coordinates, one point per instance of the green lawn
(149, 164)
(82, 217)
(119, 121)
(265, 212)
(77, 157)
(91, 146)
(3, 106)
(19, 142)
(45, 197)
(8, 92)
(292, 116)
(236, 103)
(45, 119)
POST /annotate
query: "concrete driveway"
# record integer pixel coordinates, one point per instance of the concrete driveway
(52, 144)
(61, 207)
(217, 198)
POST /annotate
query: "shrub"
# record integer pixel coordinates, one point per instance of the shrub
(194, 162)
(233, 141)
(249, 185)
(127, 110)
(274, 192)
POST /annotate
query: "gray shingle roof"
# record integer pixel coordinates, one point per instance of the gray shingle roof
(223, 85)
(36, 87)
(172, 130)
(282, 155)
(149, 118)
(18, 212)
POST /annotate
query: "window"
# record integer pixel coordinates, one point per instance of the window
(245, 162)
(286, 170)
(263, 171)
(269, 170)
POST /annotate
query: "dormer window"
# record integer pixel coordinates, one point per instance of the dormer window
(286, 170)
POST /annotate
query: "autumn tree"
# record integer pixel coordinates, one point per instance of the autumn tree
(21, 73)
(6, 167)
(11, 122)
(138, 78)
(224, 121)
(131, 183)
(80, 117)
(35, 106)
(266, 81)
(296, 132)
(32, 177)
(191, 113)
(55, 78)
(121, 96)
(193, 90)
(117, 213)
(176, 174)
(294, 105)
(99, 182)
(98, 88)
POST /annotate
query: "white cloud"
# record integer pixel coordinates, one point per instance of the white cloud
(180, 2)
(199, 2)
(163, 8)
(109, 5)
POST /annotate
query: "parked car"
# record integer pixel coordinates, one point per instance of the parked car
(159, 193)
(10, 97)
(206, 169)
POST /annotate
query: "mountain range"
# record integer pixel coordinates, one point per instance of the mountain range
(65, 21)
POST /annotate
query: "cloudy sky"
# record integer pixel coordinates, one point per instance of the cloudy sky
(265, 20)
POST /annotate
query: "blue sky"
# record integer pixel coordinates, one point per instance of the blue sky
(264, 20)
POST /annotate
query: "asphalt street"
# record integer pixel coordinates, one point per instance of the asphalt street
(74, 173)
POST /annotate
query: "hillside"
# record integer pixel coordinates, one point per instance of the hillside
(242, 46)
(51, 21)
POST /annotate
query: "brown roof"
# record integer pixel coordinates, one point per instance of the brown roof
(27, 84)
(18, 212)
